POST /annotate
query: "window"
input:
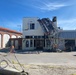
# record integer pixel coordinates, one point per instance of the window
(35, 37)
(32, 26)
(42, 36)
(39, 36)
(27, 43)
(46, 36)
(27, 37)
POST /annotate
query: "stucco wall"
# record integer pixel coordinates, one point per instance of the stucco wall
(6, 34)
(5, 40)
(0, 40)
(32, 32)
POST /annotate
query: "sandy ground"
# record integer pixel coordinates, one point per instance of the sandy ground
(49, 69)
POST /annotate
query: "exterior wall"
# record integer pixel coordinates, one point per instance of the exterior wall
(13, 36)
(31, 32)
(66, 35)
(0, 40)
(37, 31)
(19, 36)
(5, 40)
(5, 35)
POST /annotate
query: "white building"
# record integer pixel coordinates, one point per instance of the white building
(35, 33)
(44, 33)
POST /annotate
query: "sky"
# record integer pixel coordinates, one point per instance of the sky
(13, 11)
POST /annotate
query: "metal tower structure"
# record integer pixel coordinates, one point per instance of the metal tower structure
(50, 27)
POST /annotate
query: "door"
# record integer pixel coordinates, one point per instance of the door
(39, 44)
(70, 45)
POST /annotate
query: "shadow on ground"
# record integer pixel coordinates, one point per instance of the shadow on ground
(74, 55)
(36, 51)
(6, 50)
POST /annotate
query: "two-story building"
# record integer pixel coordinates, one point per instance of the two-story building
(44, 33)
(38, 33)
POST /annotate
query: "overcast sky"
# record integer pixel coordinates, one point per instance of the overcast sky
(13, 11)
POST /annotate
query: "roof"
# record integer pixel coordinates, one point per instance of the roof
(68, 34)
(9, 30)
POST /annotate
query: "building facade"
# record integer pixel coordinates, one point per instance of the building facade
(44, 33)
(5, 35)
(38, 33)
(67, 40)
(16, 42)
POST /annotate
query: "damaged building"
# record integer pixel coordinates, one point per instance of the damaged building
(39, 33)
(67, 40)
(44, 34)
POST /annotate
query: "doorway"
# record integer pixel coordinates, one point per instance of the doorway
(39, 44)
(70, 45)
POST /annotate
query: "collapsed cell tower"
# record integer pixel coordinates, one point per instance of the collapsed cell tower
(50, 27)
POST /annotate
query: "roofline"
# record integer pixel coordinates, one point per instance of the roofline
(67, 30)
(30, 17)
(9, 30)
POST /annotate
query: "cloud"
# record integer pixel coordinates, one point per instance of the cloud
(49, 6)
(69, 24)
(43, 5)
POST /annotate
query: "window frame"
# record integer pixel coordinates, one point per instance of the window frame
(32, 26)
(27, 43)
